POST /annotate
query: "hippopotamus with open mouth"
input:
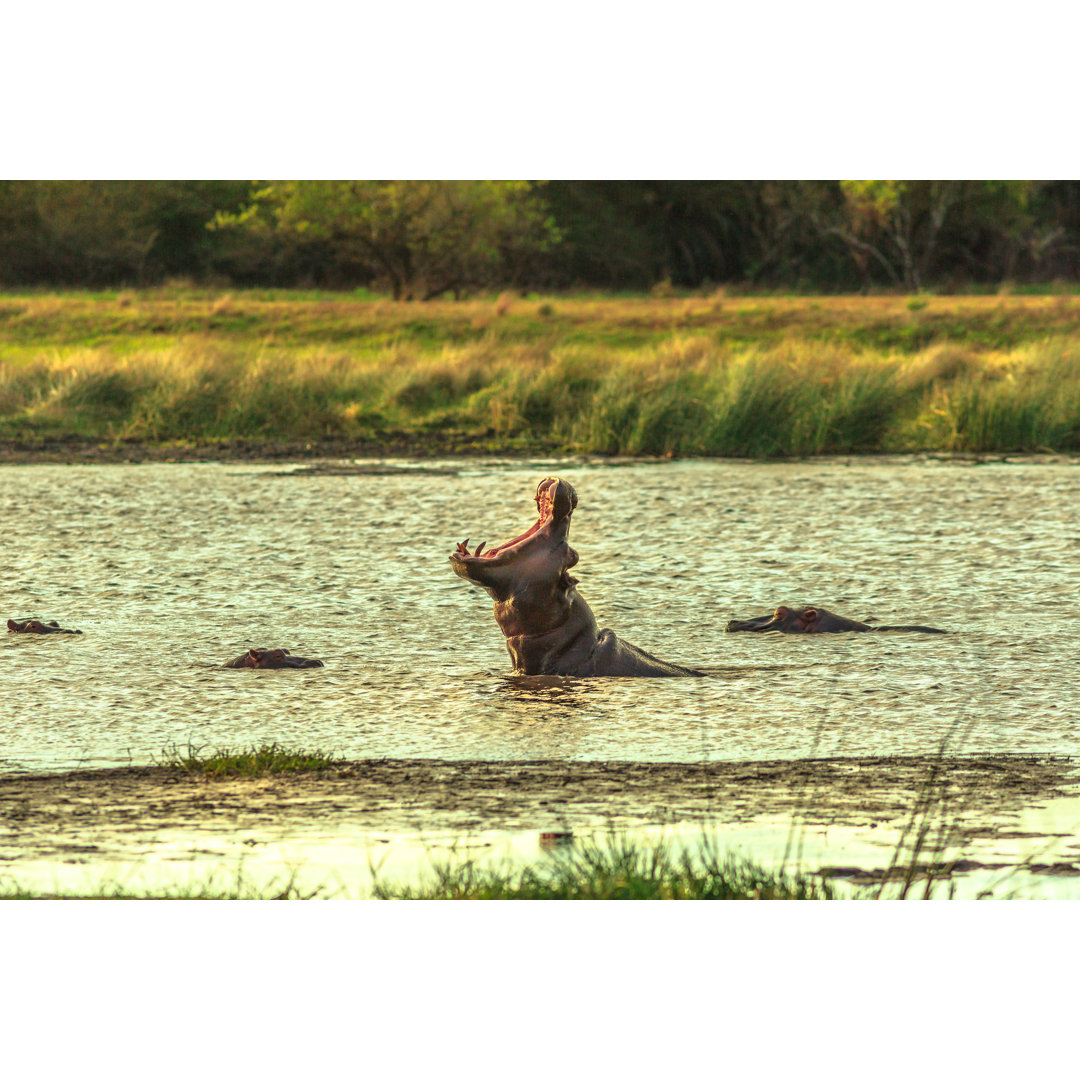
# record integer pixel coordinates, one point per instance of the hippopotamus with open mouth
(272, 658)
(37, 626)
(549, 628)
(814, 620)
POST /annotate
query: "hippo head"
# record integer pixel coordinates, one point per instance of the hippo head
(528, 576)
(802, 620)
(37, 626)
(273, 658)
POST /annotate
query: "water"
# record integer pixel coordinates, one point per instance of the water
(171, 570)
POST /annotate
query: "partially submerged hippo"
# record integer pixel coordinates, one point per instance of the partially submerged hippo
(814, 620)
(549, 628)
(37, 626)
(272, 658)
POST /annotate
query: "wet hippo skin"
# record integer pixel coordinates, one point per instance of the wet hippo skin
(37, 626)
(272, 658)
(549, 628)
(814, 620)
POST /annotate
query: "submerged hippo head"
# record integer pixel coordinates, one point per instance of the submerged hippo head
(527, 577)
(813, 620)
(37, 626)
(272, 658)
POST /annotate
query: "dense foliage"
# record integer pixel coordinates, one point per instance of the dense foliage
(419, 239)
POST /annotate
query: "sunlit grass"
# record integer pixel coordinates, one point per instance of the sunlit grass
(265, 760)
(698, 376)
(615, 867)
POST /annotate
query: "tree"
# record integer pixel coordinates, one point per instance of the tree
(96, 231)
(914, 228)
(422, 238)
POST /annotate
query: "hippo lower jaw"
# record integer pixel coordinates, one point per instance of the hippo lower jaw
(755, 626)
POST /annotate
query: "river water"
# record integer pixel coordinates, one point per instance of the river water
(171, 570)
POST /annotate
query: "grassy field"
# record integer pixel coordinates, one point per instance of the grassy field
(710, 375)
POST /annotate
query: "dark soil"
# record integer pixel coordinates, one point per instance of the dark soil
(107, 810)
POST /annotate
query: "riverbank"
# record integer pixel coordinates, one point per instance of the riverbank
(369, 457)
(969, 807)
(163, 371)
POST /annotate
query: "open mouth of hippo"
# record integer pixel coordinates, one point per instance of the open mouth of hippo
(555, 502)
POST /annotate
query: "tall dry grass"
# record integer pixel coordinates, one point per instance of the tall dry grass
(613, 377)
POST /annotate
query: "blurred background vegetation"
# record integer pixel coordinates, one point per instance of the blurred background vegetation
(418, 240)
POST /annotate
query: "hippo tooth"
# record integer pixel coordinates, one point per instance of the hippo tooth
(480, 547)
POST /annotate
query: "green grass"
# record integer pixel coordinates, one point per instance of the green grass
(266, 760)
(210, 889)
(616, 867)
(761, 377)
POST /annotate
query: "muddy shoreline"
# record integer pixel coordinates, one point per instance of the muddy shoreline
(77, 450)
(56, 814)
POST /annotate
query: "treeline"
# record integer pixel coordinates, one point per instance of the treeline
(423, 239)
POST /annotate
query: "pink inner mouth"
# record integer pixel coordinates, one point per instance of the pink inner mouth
(545, 504)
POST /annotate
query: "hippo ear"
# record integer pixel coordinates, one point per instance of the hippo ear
(12, 624)
(254, 653)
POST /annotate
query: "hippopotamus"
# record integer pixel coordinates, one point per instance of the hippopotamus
(549, 628)
(272, 658)
(814, 620)
(37, 626)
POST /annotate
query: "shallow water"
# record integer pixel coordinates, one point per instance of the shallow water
(171, 570)
(341, 861)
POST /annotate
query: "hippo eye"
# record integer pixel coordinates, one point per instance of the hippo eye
(810, 613)
(781, 613)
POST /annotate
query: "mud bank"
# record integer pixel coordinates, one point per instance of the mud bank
(103, 813)
(76, 450)
(79, 450)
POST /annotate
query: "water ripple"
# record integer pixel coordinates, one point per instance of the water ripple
(170, 570)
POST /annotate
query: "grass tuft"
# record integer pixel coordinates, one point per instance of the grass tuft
(265, 760)
(616, 867)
